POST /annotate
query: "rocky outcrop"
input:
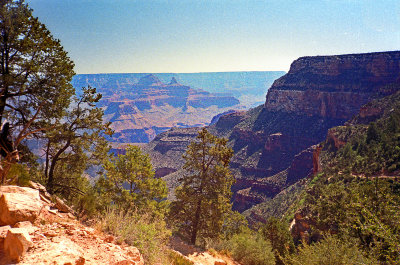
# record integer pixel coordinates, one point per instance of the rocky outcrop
(317, 94)
(54, 237)
(17, 243)
(316, 160)
(18, 204)
(333, 86)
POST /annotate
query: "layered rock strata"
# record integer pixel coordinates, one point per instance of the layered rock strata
(318, 93)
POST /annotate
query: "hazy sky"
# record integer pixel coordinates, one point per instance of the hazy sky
(127, 36)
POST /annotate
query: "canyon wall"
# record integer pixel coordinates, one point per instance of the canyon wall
(317, 94)
(333, 86)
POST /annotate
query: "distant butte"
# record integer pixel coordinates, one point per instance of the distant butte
(173, 81)
(150, 80)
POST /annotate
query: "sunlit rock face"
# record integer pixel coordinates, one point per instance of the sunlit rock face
(333, 86)
(273, 142)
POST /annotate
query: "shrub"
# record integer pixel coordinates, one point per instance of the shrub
(143, 231)
(250, 248)
(329, 251)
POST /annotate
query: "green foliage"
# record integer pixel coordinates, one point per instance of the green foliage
(130, 183)
(203, 199)
(373, 152)
(35, 74)
(142, 230)
(364, 210)
(329, 251)
(277, 232)
(357, 195)
(36, 71)
(73, 145)
(234, 223)
(250, 248)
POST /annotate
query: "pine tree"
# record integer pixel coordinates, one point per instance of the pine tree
(203, 199)
(130, 183)
(35, 73)
(74, 144)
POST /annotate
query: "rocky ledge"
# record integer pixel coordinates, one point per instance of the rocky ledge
(37, 231)
(334, 86)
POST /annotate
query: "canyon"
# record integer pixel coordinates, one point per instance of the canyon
(140, 106)
(274, 144)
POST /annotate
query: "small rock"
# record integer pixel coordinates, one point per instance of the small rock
(44, 198)
(220, 262)
(61, 206)
(50, 233)
(27, 225)
(16, 244)
(23, 224)
(109, 239)
(56, 239)
(125, 262)
(37, 186)
(71, 216)
(55, 212)
(80, 261)
(134, 253)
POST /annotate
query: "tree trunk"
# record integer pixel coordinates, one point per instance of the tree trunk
(196, 223)
(50, 180)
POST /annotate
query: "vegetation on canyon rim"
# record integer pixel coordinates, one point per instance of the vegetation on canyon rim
(354, 213)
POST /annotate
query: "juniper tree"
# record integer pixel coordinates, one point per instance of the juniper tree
(75, 143)
(35, 72)
(130, 183)
(203, 198)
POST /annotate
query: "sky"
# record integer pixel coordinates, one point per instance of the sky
(178, 36)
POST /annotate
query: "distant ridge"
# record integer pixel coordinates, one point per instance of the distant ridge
(249, 87)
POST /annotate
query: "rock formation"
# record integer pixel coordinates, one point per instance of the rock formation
(35, 231)
(334, 86)
(318, 93)
(140, 111)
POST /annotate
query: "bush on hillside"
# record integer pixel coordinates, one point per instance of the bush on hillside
(329, 251)
(250, 248)
(150, 235)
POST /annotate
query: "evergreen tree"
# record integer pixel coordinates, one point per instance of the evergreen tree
(35, 73)
(130, 183)
(76, 140)
(277, 232)
(203, 199)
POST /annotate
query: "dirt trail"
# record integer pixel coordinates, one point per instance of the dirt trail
(198, 256)
(62, 240)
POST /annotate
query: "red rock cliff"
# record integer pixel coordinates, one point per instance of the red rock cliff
(333, 86)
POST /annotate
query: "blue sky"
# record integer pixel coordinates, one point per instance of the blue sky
(137, 36)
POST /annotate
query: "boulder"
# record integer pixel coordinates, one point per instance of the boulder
(17, 243)
(3, 234)
(18, 204)
(61, 206)
(27, 226)
(44, 195)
